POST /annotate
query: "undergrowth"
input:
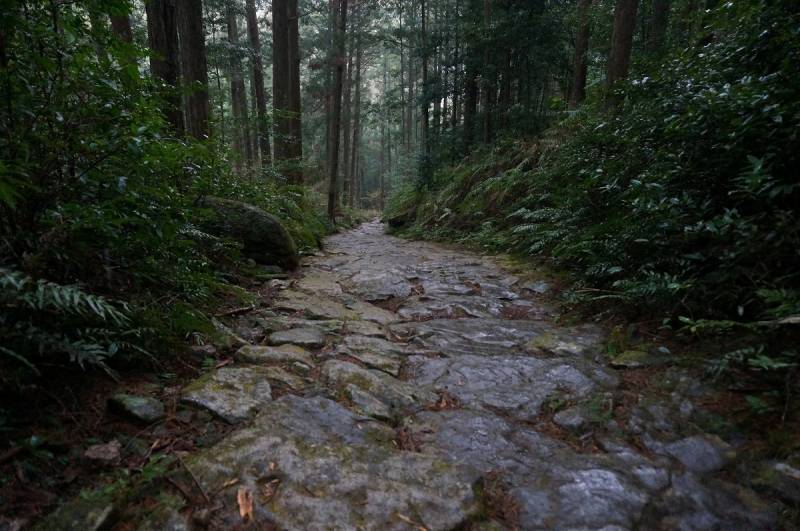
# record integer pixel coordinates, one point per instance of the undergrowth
(681, 204)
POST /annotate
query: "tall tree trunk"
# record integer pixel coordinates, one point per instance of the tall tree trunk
(658, 26)
(121, 26)
(621, 41)
(336, 115)
(347, 118)
(195, 67)
(470, 103)
(295, 105)
(354, 188)
(241, 131)
(383, 118)
(578, 93)
(426, 148)
(281, 83)
(162, 36)
(258, 84)
(487, 86)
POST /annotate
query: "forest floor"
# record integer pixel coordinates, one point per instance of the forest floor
(409, 385)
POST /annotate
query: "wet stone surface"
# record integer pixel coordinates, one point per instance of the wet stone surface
(433, 374)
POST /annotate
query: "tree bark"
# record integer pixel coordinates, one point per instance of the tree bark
(487, 86)
(426, 148)
(121, 27)
(162, 36)
(354, 183)
(241, 132)
(658, 26)
(621, 41)
(295, 105)
(257, 72)
(281, 83)
(347, 118)
(333, 133)
(470, 104)
(578, 93)
(195, 67)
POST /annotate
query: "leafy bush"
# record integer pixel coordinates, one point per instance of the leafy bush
(681, 203)
(43, 319)
(98, 198)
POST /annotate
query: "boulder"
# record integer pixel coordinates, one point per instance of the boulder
(263, 237)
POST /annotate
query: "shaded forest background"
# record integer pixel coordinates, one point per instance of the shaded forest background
(649, 148)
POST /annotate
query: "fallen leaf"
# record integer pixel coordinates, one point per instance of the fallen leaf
(409, 521)
(224, 362)
(269, 490)
(245, 500)
(272, 465)
(230, 483)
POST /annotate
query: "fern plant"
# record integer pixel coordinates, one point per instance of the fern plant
(42, 319)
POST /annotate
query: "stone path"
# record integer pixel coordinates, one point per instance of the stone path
(401, 385)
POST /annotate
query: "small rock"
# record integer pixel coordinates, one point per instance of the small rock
(107, 454)
(141, 408)
(303, 337)
(286, 378)
(571, 418)
(366, 328)
(637, 359)
(265, 354)
(780, 479)
(231, 393)
(200, 352)
(90, 514)
(367, 404)
(700, 453)
(301, 367)
(539, 287)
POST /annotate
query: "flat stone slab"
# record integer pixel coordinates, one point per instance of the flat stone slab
(140, 408)
(377, 345)
(327, 469)
(388, 363)
(268, 354)
(307, 337)
(369, 312)
(391, 391)
(232, 393)
(502, 337)
(379, 285)
(516, 385)
(313, 306)
(317, 281)
(366, 328)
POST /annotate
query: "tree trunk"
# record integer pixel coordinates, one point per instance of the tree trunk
(241, 133)
(281, 83)
(162, 36)
(578, 93)
(658, 26)
(195, 67)
(621, 41)
(347, 119)
(487, 86)
(336, 115)
(426, 148)
(295, 106)
(354, 188)
(470, 103)
(121, 26)
(258, 84)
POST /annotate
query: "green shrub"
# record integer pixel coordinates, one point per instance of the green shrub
(682, 203)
